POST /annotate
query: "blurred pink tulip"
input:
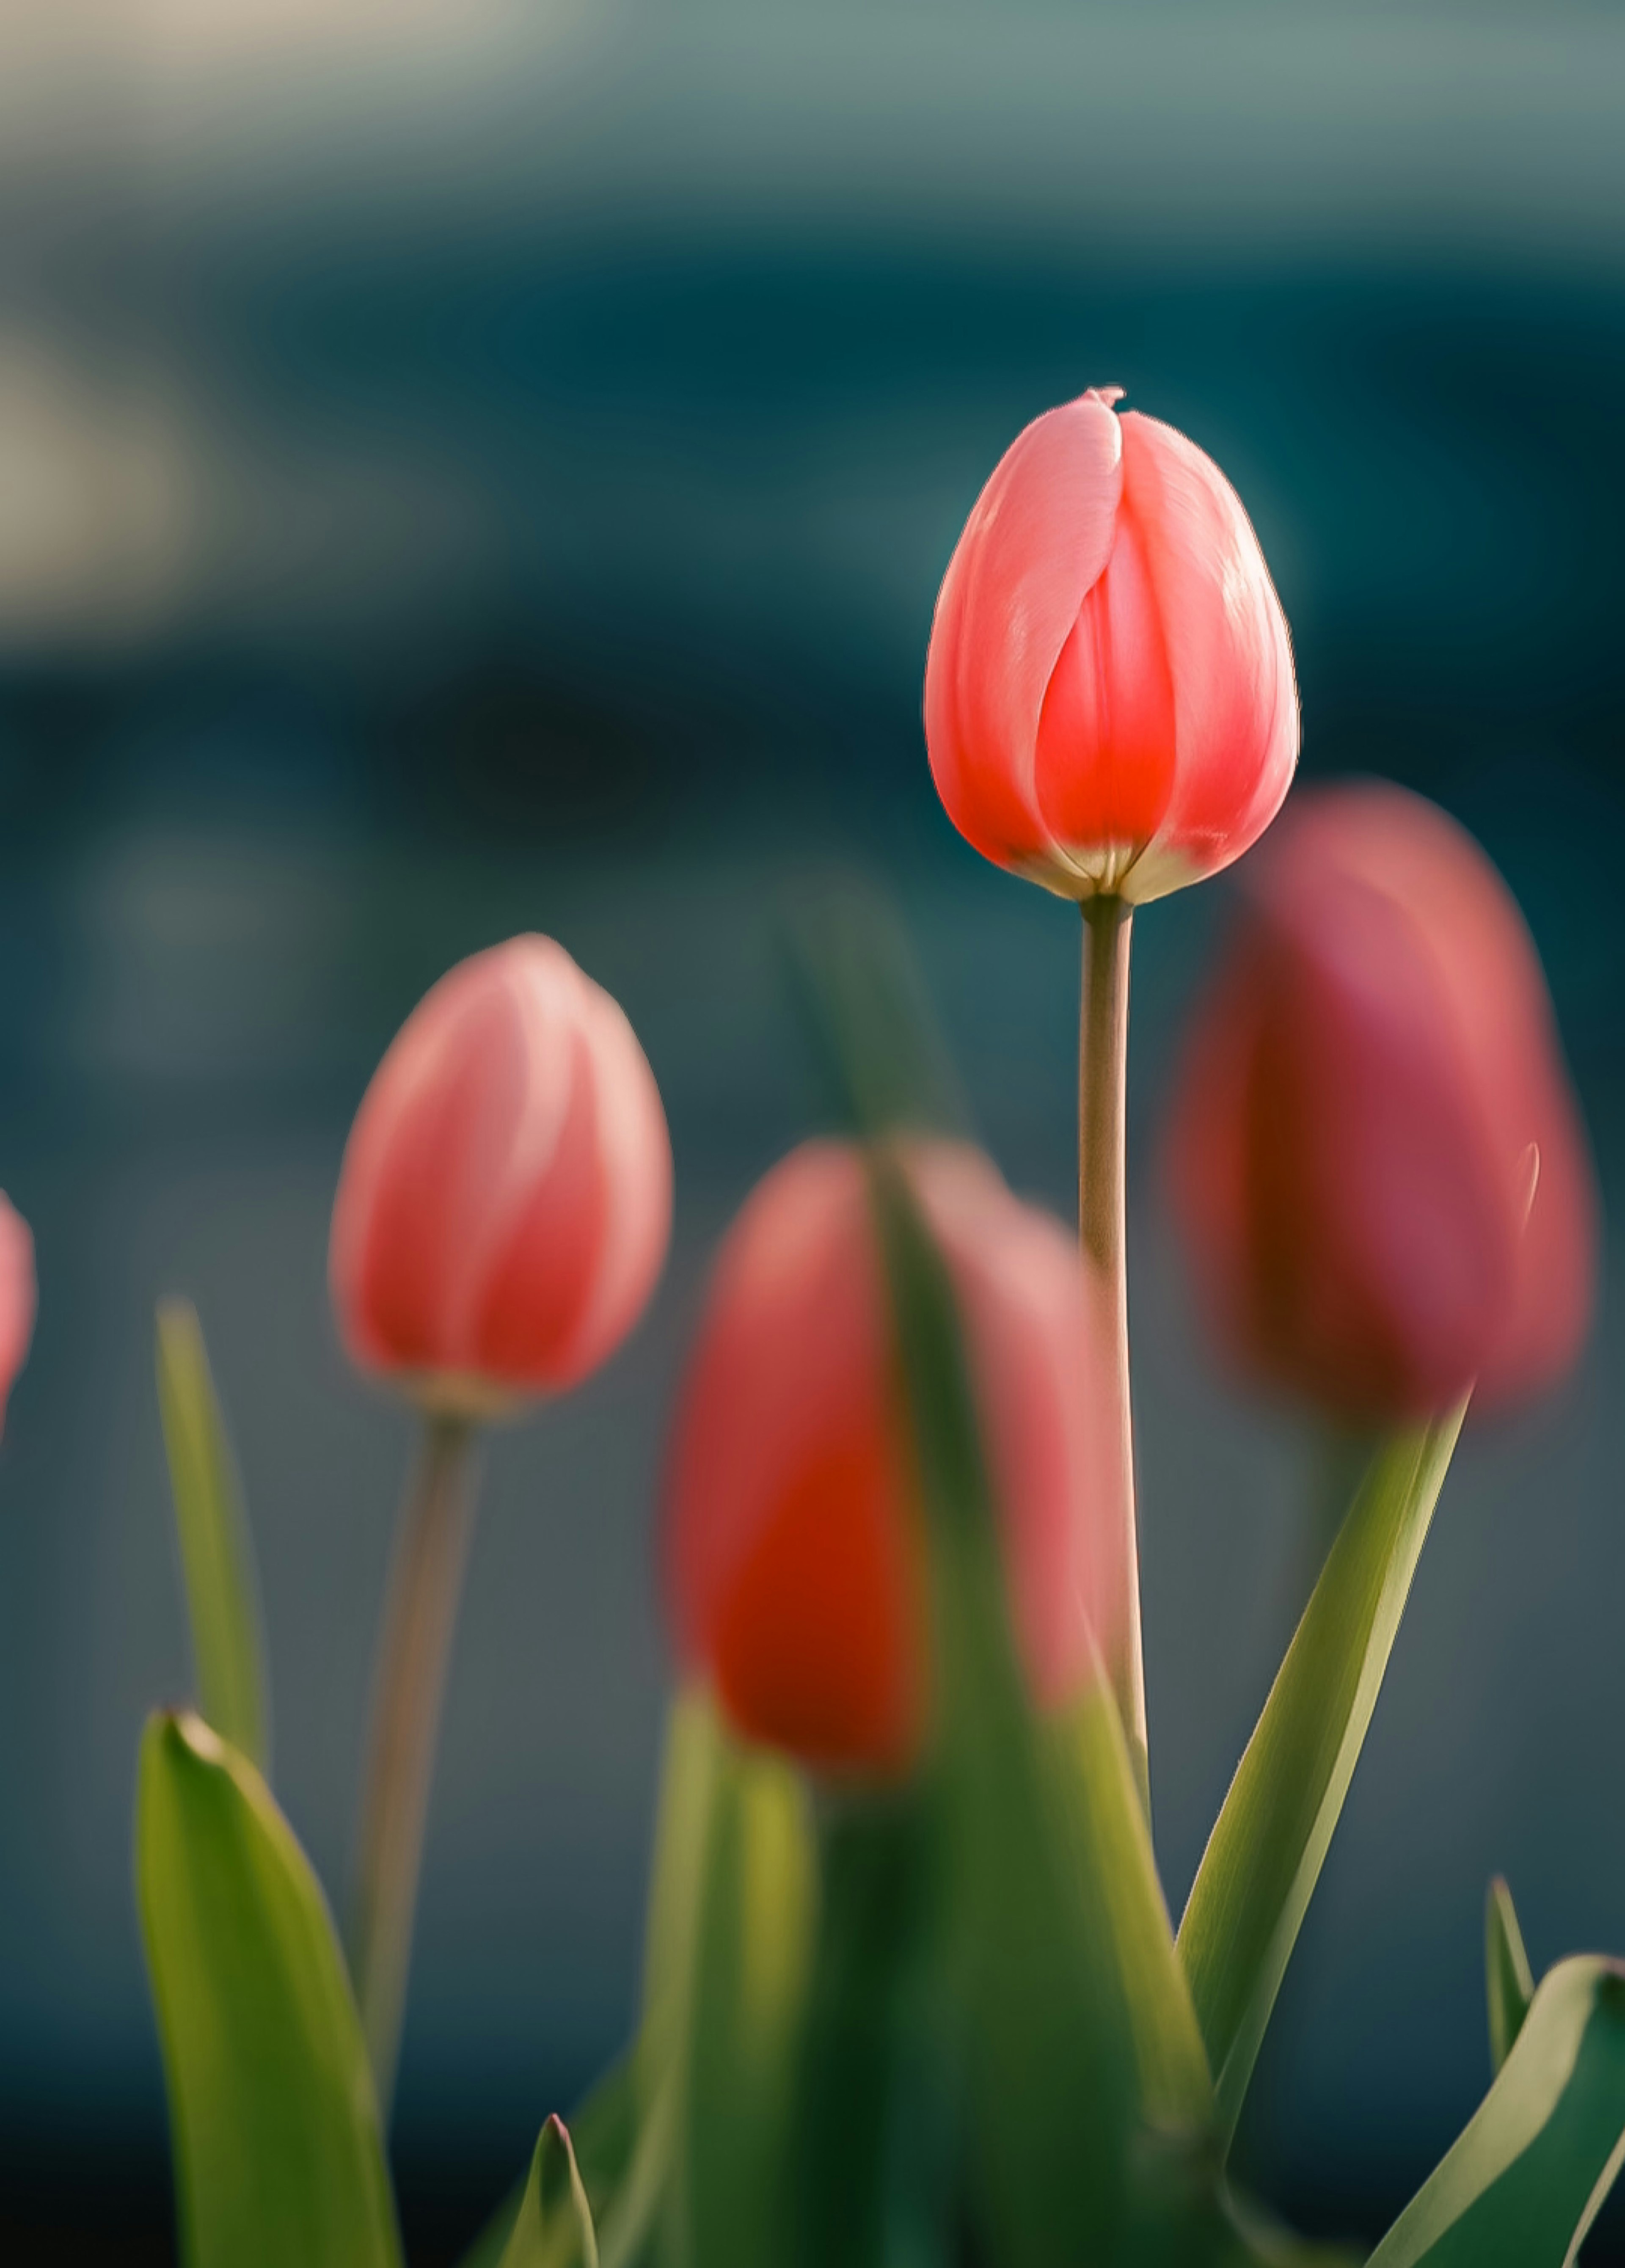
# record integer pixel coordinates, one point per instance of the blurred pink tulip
(506, 1197)
(793, 1548)
(1109, 696)
(16, 1296)
(1370, 1081)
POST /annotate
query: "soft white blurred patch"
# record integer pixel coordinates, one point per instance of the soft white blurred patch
(132, 504)
(99, 525)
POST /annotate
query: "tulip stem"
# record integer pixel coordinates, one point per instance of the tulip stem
(420, 1613)
(1102, 1086)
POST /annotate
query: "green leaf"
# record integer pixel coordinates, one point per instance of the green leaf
(554, 2229)
(1529, 2174)
(273, 2127)
(1083, 2037)
(603, 2134)
(217, 1555)
(1266, 1849)
(870, 1017)
(1509, 1980)
(875, 2111)
(733, 2050)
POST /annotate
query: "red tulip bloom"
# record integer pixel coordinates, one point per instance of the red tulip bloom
(794, 1549)
(16, 1296)
(1109, 697)
(506, 1197)
(1374, 1085)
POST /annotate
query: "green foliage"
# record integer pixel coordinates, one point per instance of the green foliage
(274, 2128)
(1266, 1849)
(554, 2226)
(1508, 1979)
(1528, 2175)
(1088, 2092)
(728, 1970)
(217, 1555)
(870, 1017)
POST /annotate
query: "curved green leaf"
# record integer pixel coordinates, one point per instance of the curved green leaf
(1266, 1851)
(217, 1555)
(1529, 2174)
(1508, 1979)
(273, 2127)
(603, 2134)
(733, 2052)
(1082, 2032)
(554, 2229)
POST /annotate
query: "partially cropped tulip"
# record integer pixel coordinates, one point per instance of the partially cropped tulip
(501, 1214)
(793, 1541)
(506, 1197)
(16, 1296)
(1109, 697)
(1376, 1159)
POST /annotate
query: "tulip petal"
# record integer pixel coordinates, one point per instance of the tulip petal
(1105, 764)
(635, 1161)
(766, 1448)
(17, 1295)
(429, 1177)
(1229, 652)
(1041, 535)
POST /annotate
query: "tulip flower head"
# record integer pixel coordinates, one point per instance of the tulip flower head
(506, 1197)
(794, 1548)
(16, 1296)
(1373, 1085)
(1109, 698)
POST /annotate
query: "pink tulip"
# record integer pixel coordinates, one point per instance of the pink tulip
(506, 1197)
(1109, 698)
(1374, 1086)
(793, 1545)
(16, 1296)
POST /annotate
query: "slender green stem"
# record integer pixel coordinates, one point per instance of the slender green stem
(1102, 1086)
(425, 1582)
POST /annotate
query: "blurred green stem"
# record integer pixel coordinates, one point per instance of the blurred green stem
(420, 1614)
(1102, 1086)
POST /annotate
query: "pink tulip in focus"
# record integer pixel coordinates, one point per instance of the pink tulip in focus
(1109, 698)
(506, 1197)
(16, 1296)
(1373, 1086)
(793, 1546)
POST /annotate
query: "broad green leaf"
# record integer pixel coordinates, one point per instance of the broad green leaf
(216, 1557)
(875, 2131)
(1530, 2172)
(274, 2126)
(554, 2229)
(693, 1763)
(1266, 1849)
(1082, 2033)
(1508, 1979)
(733, 2055)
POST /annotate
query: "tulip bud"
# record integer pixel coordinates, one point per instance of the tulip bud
(506, 1197)
(16, 1296)
(1372, 1089)
(794, 1551)
(1109, 697)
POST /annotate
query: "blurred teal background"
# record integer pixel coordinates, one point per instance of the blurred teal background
(465, 467)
